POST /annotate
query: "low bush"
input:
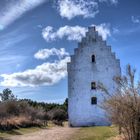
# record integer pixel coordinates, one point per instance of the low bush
(58, 116)
(16, 113)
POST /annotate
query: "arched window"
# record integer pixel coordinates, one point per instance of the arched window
(93, 85)
(94, 100)
(93, 58)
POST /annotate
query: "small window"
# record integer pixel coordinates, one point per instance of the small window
(93, 85)
(94, 39)
(94, 100)
(93, 58)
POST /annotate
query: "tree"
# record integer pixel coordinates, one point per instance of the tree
(7, 95)
(64, 106)
(123, 106)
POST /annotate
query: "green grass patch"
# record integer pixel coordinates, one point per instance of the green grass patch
(95, 133)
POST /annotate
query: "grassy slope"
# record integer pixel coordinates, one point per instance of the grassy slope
(95, 133)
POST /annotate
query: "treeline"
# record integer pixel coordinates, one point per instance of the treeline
(47, 106)
(15, 113)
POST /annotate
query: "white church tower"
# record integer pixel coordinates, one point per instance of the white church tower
(92, 62)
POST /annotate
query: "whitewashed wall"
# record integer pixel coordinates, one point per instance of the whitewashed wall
(82, 71)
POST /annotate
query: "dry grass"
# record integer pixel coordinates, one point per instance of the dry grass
(18, 122)
(15, 120)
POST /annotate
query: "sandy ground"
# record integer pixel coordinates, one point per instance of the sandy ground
(55, 133)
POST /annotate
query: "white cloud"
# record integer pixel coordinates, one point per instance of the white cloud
(103, 30)
(70, 32)
(45, 74)
(51, 73)
(110, 1)
(15, 9)
(135, 19)
(73, 32)
(46, 53)
(72, 8)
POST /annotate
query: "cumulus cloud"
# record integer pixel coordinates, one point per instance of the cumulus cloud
(70, 32)
(135, 19)
(46, 53)
(72, 8)
(110, 1)
(45, 74)
(73, 32)
(50, 73)
(103, 30)
(15, 9)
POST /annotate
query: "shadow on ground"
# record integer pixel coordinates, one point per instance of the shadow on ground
(3, 138)
(11, 132)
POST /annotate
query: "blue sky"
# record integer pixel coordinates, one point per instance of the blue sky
(38, 36)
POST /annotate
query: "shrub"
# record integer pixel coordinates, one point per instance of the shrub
(12, 108)
(58, 116)
(14, 114)
(124, 105)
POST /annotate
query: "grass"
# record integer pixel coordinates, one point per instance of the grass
(95, 133)
(84, 133)
(21, 131)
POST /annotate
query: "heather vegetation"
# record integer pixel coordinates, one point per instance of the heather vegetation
(15, 113)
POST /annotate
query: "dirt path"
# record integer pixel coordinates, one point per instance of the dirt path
(55, 133)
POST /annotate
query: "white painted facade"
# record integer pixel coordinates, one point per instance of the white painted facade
(82, 71)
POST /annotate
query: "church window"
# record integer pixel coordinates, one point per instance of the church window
(94, 39)
(93, 85)
(93, 58)
(94, 100)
